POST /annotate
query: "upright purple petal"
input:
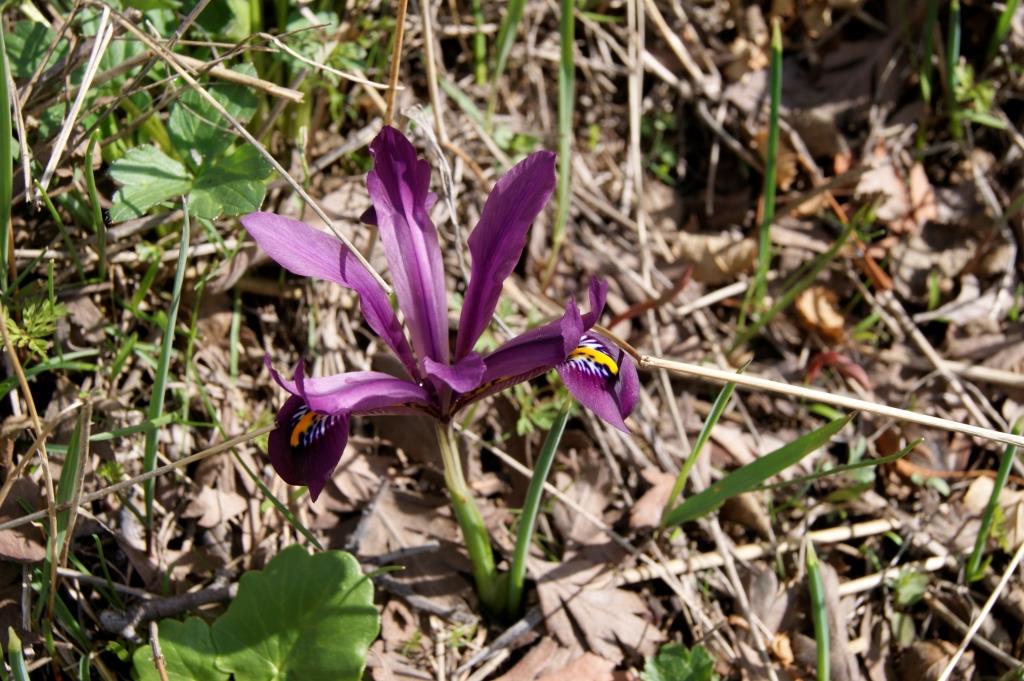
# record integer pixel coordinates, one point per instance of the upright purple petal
(399, 188)
(603, 378)
(598, 293)
(305, 446)
(462, 376)
(499, 238)
(307, 252)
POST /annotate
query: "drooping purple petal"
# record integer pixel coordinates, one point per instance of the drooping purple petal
(307, 252)
(462, 376)
(356, 392)
(603, 378)
(305, 446)
(398, 186)
(499, 238)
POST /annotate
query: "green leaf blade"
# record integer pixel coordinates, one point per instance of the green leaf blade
(231, 186)
(678, 663)
(303, 617)
(188, 653)
(754, 474)
(147, 177)
(195, 124)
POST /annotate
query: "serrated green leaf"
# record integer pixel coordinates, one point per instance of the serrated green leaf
(188, 653)
(303, 617)
(678, 663)
(231, 185)
(195, 125)
(753, 474)
(147, 176)
(27, 45)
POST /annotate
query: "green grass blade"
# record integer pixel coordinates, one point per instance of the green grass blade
(279, 505)
(756, 293)
(975, 569)
(531, 506)
(846, 468)
(99, 225)
(68, 243)
(479, 44)
(66, 363)
(566, 105)
(6, 166)
(1002, 29)
(156, 401)
(928, 45)
(819, 613)
(69, 487)
(19, 670)
(952, 61)
(754, 474)
(503, 47)
(801, 284)
(144, 427)
(705, 432)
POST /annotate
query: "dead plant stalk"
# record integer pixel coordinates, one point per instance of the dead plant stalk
(757, 383)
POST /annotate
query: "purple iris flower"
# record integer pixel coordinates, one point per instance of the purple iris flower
(312, 426)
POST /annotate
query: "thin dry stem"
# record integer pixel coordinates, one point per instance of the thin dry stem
(396, 61)
(172, 61)
(985, 610)
(51, 496)
(131, 482)
(756, 383)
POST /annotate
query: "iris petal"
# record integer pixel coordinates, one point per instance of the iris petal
(305, 447)
(307, 252)
(398, 186)
(499, 238)
(603, 378)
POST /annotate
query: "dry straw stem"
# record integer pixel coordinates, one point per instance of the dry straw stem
(748, 552)
(103, 35)
(131, 482)
(172, 60)
(51, 498)
(985, 610)
(396, 60)
(227, 74)
(756, 383)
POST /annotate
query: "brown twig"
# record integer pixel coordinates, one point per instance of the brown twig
(51, 497)
(396, 61)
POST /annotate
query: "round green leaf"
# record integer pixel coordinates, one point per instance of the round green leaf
(187, 650)
(303, 617)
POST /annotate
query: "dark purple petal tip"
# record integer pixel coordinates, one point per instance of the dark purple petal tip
(306, 446)
(603, 378)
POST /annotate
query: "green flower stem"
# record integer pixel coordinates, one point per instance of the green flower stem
(478, 542)
(528, 519)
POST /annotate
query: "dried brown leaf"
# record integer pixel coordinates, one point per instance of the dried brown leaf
(588, 666)
(818, 310)
(925, 660)
(607, 618)
(716, 258)
(213, 506)
(646, 512)
(23, 544)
